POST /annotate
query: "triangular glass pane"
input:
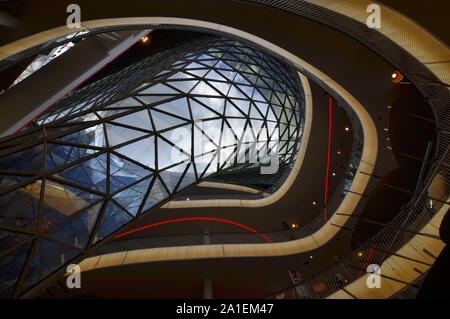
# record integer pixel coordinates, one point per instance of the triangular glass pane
(217, 104)
(157, 194)
(222, 65)
(287, 104)
(277, 110)
(232, 111)
(230, 75)
(254, 113)
(184, 86)
(275, 100)
(28, 160)
(124, 173)
(199, 112)
(258, 97)
(140, 87)
(204, 89)
(202, 162)
(220, 86)
(48, 257)
(202, 143)
(244, 105)
(113, 218)
(9, 239)
(178, 107)
(19, 208)
(283, 118)
(212, 129)
(271, 115)
(256, 126)
(108, 113)
(11, 266)
(92, 136)
(248, 90)
(262, 107)
(261, 83)
(188, 179)
(216, 54)
(248, 135)
(171, 176)
(227, 156)
(169, 155)
(228, 137)
(213, 75)
(124, 103)
(271, 126)
(280, 96)
(238, 126)
(84, 118)
(61, 201)
(263, 136)
(59, 155)
(181, 137)
(151, 99)
(267, 93)
(240, 79)
(199, 73)
(194, 65)
(252, 78)
(139, 119)
(204, 57)
(131, 198)
(159, 89)
(163, 121)
(77, 230)
(208, 62)
(234, 92)
(90, 173)
(119, 134)
(142, 151)
(180, 75)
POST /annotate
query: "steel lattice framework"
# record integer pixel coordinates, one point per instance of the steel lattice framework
(90, 168)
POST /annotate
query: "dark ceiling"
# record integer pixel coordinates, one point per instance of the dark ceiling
(357, 69)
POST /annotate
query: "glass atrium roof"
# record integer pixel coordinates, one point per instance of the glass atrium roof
(98, 161)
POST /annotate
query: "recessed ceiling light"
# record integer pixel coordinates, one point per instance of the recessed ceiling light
(314, 203)
(334, 174)
(347, 128)
(396, 77)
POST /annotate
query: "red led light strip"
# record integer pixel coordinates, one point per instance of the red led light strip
(193, 218)
(365, 264)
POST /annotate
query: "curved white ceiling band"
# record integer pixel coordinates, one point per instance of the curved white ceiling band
(244, 189)
(319, 238)
(403, 31)
(398, 270)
